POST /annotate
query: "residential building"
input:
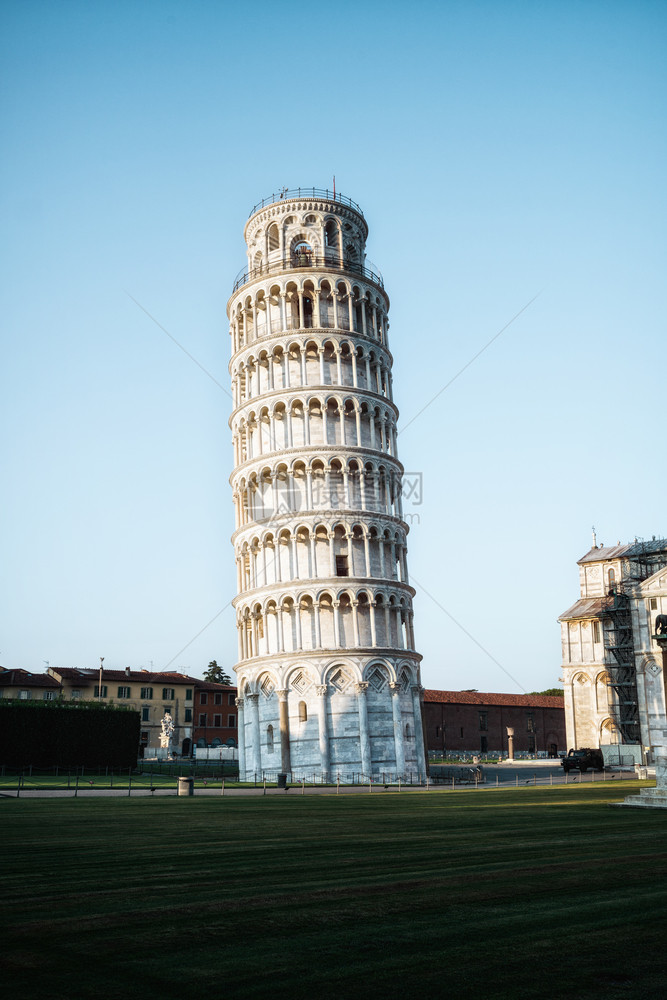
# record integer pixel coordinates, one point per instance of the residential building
(477, 722)
(151, 693)
(215, 715)
(28, 687)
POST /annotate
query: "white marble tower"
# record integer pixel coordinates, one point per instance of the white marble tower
(328, 676)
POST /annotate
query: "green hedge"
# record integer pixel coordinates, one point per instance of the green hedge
(67, 734)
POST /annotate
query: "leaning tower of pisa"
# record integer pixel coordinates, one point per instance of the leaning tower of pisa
(328, 676)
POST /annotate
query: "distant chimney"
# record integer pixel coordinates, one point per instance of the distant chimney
(127, 671)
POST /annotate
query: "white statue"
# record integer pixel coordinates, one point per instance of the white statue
(166, 732)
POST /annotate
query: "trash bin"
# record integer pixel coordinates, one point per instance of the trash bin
(282, 781)
(186, 786)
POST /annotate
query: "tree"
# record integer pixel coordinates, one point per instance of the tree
(216, 674)
(555, 692)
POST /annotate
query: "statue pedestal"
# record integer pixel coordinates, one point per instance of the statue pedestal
(653, 798)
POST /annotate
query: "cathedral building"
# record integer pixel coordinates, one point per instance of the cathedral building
(612, 658)
(328, 676)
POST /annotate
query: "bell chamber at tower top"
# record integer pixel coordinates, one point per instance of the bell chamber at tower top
(307, 269)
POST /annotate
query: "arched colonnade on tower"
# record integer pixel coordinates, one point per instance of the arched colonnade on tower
(317, 361)
(313, 421)
(350, 617)
(324, 549)
(324, 303)
(333, 485)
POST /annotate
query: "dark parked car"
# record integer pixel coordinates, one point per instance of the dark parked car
(583, 759)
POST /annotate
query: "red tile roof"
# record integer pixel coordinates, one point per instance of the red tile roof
(483, 698)
(91, 675)
(22, 678)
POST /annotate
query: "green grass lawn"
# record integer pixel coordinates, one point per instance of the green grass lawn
(540, 892)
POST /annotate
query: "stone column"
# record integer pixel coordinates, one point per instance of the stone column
(336, 624)
(419, 731)
(241, 731)
(255, 741)
(355, 622)
(364, 738)
(281, 631)
(399, 746)
(322, 690)
(285, 761)
(374, 638)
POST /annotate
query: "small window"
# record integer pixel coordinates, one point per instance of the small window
(203, 698)
(408, 734)
(202, 719)
(97, 691)
(530, 722)
(76, 693)
(483, 720)
(653, 604)
(217, 721)
(188, 715)
(26, 695)
(168, 694)
(596, 631)
(166, 709)
(145, 715)
(483, 744)
(303, 712)
(342, 568)
(217, 698)
(269, 739)
(49, 696)
(611, 578)
(146, 694)
(123, 692)
(232, 699)
(231, 721)
(188, 694)
(145, 736)
(274, 238)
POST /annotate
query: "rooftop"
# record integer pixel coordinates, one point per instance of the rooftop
(23, 678)
(587, 607)
(484, 698)
(629, 550)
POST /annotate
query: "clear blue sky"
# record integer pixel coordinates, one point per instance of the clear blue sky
(498, 150)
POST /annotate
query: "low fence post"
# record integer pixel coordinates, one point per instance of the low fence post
(76, 787)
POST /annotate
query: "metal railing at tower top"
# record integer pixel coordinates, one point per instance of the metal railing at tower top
(308, 260)
(308, 193)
